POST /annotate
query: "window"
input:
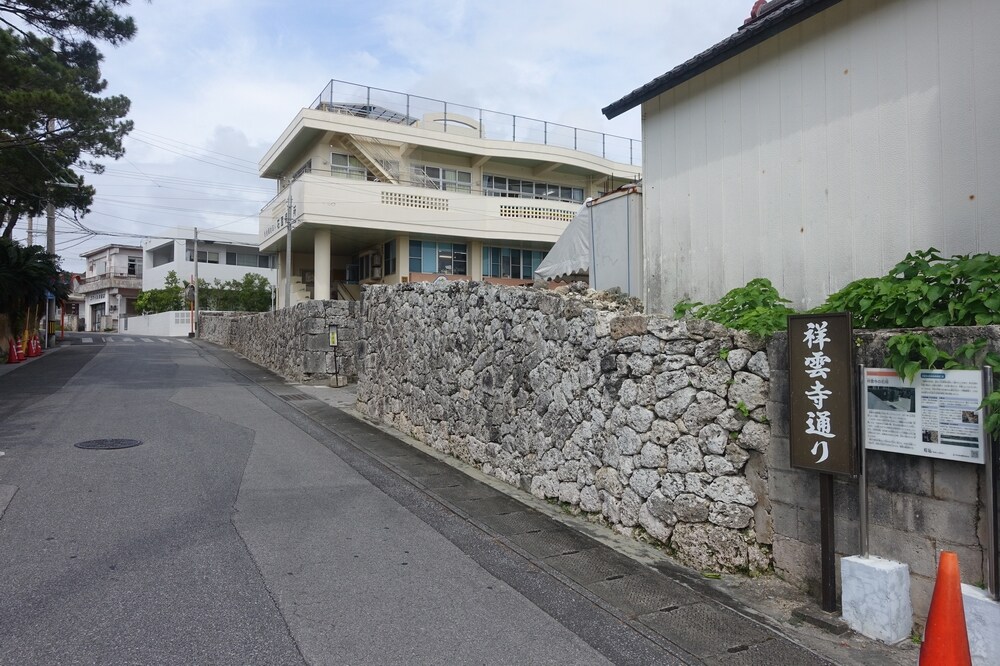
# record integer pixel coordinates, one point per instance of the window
(389, 252)
(204, 257)
(510, 262)
(451, 180)
(305, 168)
(501, 186)
(444, 258)
(365, 262)
(135, 265)
(248, 259)
(163, 255)
(348, 166)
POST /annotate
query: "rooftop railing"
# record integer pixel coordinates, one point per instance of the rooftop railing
(405, 109)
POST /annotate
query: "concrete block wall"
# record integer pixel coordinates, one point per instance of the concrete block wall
(917, 506)
(293, 342)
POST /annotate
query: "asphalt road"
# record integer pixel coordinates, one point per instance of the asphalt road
(257, 523)
(234, 534)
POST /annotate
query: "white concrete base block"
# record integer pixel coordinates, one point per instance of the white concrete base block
(982, 619)
(875, 597)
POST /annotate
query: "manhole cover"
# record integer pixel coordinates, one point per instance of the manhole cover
(108, 444)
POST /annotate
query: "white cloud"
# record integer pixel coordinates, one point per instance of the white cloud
(214, 82)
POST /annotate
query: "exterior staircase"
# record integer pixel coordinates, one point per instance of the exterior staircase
(375, 156)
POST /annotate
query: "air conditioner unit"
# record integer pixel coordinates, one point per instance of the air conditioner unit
(376, 271)
(376, 260)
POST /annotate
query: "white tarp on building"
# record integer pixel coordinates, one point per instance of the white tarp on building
(604, 242)
(571, 253)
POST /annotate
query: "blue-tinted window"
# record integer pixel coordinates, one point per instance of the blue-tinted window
(508, 262)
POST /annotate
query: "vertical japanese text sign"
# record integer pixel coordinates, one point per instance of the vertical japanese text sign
(821, 393)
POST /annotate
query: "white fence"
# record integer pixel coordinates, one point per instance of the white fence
(171, 324)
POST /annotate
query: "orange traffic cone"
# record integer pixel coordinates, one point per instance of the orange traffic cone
(946, 639)
(12, 356)
(31, 352)
(19, 347)
(38, 346)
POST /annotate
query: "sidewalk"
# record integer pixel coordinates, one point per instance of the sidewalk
(10, 367)
(731, 620)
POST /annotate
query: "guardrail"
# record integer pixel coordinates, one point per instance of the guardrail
(406, 109)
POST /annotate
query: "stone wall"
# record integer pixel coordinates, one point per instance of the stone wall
(917, 506)
(293, 342)
(655, 426)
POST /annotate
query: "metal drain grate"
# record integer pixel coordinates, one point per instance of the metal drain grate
(108, 444)
(296, 396)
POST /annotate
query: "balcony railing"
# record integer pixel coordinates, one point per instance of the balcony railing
(412, 178)
(411, 203)
(109, 281)
(403, 108)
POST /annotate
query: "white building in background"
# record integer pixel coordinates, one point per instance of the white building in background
(222, 255)
(109, 286)
(386, 187)
(820, 143)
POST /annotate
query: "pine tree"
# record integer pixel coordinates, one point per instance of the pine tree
(53, 115)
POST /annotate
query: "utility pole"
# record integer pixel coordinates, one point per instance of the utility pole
(196, 329)
(31, 230)
(288, 248)
(50, 247)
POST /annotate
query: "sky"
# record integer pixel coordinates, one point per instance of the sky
(213, 83)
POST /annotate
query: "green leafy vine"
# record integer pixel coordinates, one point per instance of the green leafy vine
(924, 290)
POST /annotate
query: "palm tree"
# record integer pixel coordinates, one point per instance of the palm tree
(27, 275)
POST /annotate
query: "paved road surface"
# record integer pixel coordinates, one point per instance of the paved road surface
(252, 528)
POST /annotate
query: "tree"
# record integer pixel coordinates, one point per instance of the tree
(52, 112)
(168, 299)
(27, 275)
(252, 293)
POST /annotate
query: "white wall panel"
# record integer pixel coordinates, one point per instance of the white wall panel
(924, 136)
(714, 183)
(726, 229)
(865, 25)
(817, 229)
(838, 237)
(827, 153)
(986, 84)
(770, 172)
(959, 189)
(790, 221)
(748, 232)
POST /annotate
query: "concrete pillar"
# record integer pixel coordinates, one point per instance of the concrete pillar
(321, 264)
(475, 258)
(403, 257)
(876, 598)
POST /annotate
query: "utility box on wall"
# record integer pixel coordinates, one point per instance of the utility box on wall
(616, 242)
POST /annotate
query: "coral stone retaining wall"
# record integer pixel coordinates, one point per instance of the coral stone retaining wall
(293, 342)
(651, 424)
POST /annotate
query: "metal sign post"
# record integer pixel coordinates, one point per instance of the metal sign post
(990, 456)
(822, 428)
(862, 473)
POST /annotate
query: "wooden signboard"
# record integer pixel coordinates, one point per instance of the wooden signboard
(821, 393)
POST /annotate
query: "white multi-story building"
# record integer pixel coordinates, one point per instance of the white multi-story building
(109, 286)
(381, 186)
(222, 255)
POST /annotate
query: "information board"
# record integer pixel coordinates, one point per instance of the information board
(936, 415)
